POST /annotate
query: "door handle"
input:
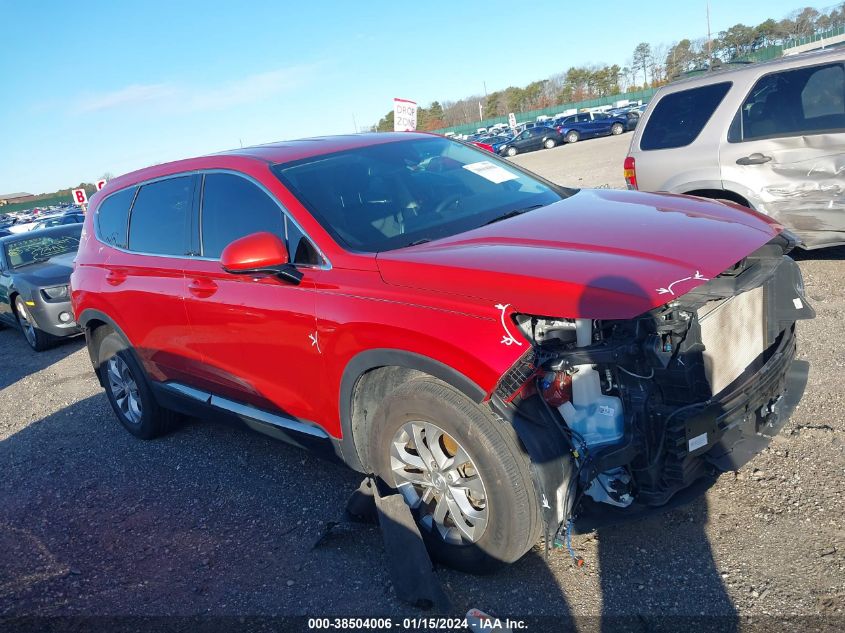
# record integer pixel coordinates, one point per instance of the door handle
(116, 276)
(753, 159)
(202, 288)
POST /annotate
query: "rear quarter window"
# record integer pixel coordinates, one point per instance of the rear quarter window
(679, 117)
(809, 100)
(113, 217)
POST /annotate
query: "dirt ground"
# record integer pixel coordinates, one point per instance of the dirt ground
(216, 520)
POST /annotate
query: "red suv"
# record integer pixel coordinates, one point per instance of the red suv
(510, 354)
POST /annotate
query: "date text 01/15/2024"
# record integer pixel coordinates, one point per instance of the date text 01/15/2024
(474, 621)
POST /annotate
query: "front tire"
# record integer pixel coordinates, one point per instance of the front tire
(511, 151)
(549, 144)
(129, 392)
(37, 339)
(462, 472)
(572, 137)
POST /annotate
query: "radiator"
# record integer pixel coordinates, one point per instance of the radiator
(733, 333)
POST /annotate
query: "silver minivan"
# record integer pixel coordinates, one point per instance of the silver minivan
(769, 136)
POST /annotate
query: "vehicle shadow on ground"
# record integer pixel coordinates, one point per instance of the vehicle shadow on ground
(214, 520)
(20, 360)
(663, 565)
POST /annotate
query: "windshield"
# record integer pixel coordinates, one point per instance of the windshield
(38, 248)
(396, 194)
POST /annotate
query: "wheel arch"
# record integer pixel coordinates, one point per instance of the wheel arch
(368, 377)
(92, 321)
(12, 296)
(725, 194)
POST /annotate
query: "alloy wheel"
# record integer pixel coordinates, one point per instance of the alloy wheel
(26, 322)
(124, 389)
(439, 480)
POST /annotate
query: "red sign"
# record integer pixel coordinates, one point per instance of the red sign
(101, 184)
(79, 196)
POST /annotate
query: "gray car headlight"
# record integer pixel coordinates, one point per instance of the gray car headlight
(56, 293)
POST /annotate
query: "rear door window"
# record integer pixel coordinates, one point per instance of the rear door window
(807, 100)
(679, 117)
(160, 217)
(113, 217)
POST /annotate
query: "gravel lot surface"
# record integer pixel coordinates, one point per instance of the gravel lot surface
(217, 520)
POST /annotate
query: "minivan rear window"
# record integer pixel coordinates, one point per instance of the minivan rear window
(160, 217)
(678, 118)
(113, 216)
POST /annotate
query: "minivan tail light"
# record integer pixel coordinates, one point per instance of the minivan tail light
(630, 171)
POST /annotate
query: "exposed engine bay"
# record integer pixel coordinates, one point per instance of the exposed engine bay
(622, 416)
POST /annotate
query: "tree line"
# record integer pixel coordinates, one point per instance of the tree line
(649, 66)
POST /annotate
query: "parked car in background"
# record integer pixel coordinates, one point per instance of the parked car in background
(768, 136)
(483, 145)
(32, 222)
(590, 125)
(537, 137)
(59, 220)
(632, 119)
(521, 127)
(35, 270)
(498, 142)
(507, 353)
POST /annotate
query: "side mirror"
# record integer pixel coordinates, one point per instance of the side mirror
(259, 253)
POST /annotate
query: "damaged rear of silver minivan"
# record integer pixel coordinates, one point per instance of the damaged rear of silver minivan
(621, 417)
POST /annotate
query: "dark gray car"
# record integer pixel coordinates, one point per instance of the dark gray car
(35, 272)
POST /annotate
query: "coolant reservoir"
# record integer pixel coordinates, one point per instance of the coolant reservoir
(597, 417)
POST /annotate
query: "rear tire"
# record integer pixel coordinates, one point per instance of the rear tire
(572, 137)
(129, 392)
(37, 339)
(616, 129)
(505, 515)
(511, 151)
(549, 144)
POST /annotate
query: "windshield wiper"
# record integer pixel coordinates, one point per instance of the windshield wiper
(514, 213)
(422, 240)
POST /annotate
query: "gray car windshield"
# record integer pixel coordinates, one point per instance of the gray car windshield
(41, 247)
(397, 194)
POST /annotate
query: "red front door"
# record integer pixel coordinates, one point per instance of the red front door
(256, 336)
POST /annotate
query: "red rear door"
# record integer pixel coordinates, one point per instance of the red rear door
(143, 286)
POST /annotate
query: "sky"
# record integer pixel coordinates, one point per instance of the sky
(88, 87)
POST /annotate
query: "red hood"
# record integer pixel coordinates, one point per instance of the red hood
(601, 254)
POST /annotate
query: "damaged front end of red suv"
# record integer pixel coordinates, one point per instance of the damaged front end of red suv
(622, 416)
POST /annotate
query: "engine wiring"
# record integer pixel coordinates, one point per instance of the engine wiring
(630, 373)
(583, 459)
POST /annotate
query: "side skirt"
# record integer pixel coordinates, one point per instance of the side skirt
(203, 404)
